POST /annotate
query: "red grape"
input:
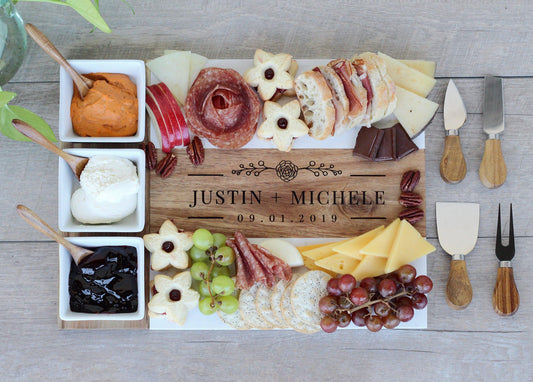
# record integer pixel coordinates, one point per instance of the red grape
(423, 284)
(328, 324)
(370, 284)
(401, 301)
(359, 296)
(419, 301)
(405, 313)
(345, 303)
(344, 319)
(358, 317)
(391, 321)
(333, 287)
(406, 273)
(381, 309)
(374, 323)
(346, 283)
(328, 304)
(387, 287)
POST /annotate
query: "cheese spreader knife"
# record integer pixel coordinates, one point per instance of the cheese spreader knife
(492, 171)
(453, 164)
(457, 228)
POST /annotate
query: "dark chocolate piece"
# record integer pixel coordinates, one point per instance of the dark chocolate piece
(387, 149)
(367, 143)
(404, 144)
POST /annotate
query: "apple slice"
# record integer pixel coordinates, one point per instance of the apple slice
(159, 103)
(174, 136)
(159, 121)
(183, 132)
(173, 70)
(284, 250)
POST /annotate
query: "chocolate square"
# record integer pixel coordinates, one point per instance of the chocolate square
(368, 142)
(404, 143)
(387, 149)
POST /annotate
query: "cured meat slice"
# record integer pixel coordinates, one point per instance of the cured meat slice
(256, 269)
(223, 108)
(279, 267)
(244, 277)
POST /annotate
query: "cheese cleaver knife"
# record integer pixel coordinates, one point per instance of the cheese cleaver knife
(492, 171)
(457, 228)
(453, 164)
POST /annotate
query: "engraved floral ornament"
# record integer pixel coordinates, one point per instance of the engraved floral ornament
(269, 73)
(174, 297)
(168, 247)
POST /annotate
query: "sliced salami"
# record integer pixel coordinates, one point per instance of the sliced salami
(244, 276)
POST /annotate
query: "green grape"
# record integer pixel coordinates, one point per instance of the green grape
(225, 256)
(227, 304)
(203, 288)
(219, 270)
(198, 254)
(223, 285)
(207, 306)
(199, 271)
(202, 239)
(219, 240)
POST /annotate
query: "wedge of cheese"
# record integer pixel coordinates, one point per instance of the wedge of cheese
(304, 248)
(370, 266)
(413, 112)
(353, 246)
(380, 246)
(408, 78)
(321, 252)
(310, 264)
(425, 67)
(338, 263)
(408, 246)
(196, 64)
(173, 69)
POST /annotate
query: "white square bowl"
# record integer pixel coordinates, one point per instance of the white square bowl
(135, 69)
(68, 183)
(64, 269)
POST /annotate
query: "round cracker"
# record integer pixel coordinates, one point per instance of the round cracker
(234, 320)
(288, 313)
(305, 295)
(275, 302)
(249, 313)
(262, 305)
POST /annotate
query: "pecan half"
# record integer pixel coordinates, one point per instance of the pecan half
(409, 180)
(412, 215)
(410, 199)
(195, 151)
(151, 155)
(166, 166)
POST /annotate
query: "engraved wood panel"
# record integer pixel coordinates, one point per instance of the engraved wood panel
(268, 193)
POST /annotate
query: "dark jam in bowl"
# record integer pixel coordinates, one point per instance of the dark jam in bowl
(105, 282)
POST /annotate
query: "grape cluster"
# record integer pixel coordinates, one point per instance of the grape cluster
(377, 302)
(211, 269)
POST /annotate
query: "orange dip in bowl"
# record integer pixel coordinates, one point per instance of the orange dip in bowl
(110, 108)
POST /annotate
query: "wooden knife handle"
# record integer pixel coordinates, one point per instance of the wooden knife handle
(505, 298)
(452, 164)
(492, 171)
(458, 288)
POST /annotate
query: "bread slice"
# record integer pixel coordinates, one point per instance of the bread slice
(380, 98)
(316, 101)
(391, 88)
(340, 101)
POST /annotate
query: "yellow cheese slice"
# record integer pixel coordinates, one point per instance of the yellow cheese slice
(353, 246)
(312, 246)
(173, 70)
(310, 264)
(321, 252)
(413, 112)
(408, 78)
(370, 266)
(382, 243)
(408, 246)
(426, 67)
(338, 263)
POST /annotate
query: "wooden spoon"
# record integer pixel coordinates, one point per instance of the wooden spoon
(77, 253)
(77, 164)
(82, 83)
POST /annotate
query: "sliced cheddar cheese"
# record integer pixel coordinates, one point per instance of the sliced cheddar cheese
(304, 248)
(408, 78)
(380, 246)
(338, 263)
(321, 252)
(370, 266)
(425, 67)
(353, 246)
(408, 246)
(310, 264)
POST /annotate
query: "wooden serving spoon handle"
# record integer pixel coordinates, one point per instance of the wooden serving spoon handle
(492, 171)
(36, 222)
(452, 164)
(82, 83)
(77, 164)
(505, 298)
(458, 288)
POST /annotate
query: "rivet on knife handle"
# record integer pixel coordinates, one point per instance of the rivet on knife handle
(492, 171)
(452, 164)
(458, 288)
(505, 298)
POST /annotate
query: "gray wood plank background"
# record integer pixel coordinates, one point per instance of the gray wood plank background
(466, 39)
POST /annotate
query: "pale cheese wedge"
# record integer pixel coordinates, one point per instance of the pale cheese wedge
(408, 78)
(425, 67)
(370, 266)
(196, 64)
(284, 250)
(338, 263)
(321, 252)
(413, 112)
(173, 69)
(380, 246)
(353, 246)
(408, 246)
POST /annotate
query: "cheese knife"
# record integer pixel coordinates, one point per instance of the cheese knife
(493, 171)
(457, 228)
(453, 164)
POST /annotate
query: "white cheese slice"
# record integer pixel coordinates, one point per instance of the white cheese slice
(413, 112)
(283, 250)
(426, 67)
(173, 69)
(408, 78)
(197, 63)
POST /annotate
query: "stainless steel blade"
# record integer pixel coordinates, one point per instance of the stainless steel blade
(457, 226)
(454, 108)
(493, 122)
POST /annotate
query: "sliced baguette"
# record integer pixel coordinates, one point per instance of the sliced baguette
(380, 98)
(340, 101)
(381, 66)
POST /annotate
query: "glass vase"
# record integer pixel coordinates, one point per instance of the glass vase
(13, 42)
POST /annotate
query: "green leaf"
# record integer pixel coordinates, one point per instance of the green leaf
(5, 97)
(9, 113)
